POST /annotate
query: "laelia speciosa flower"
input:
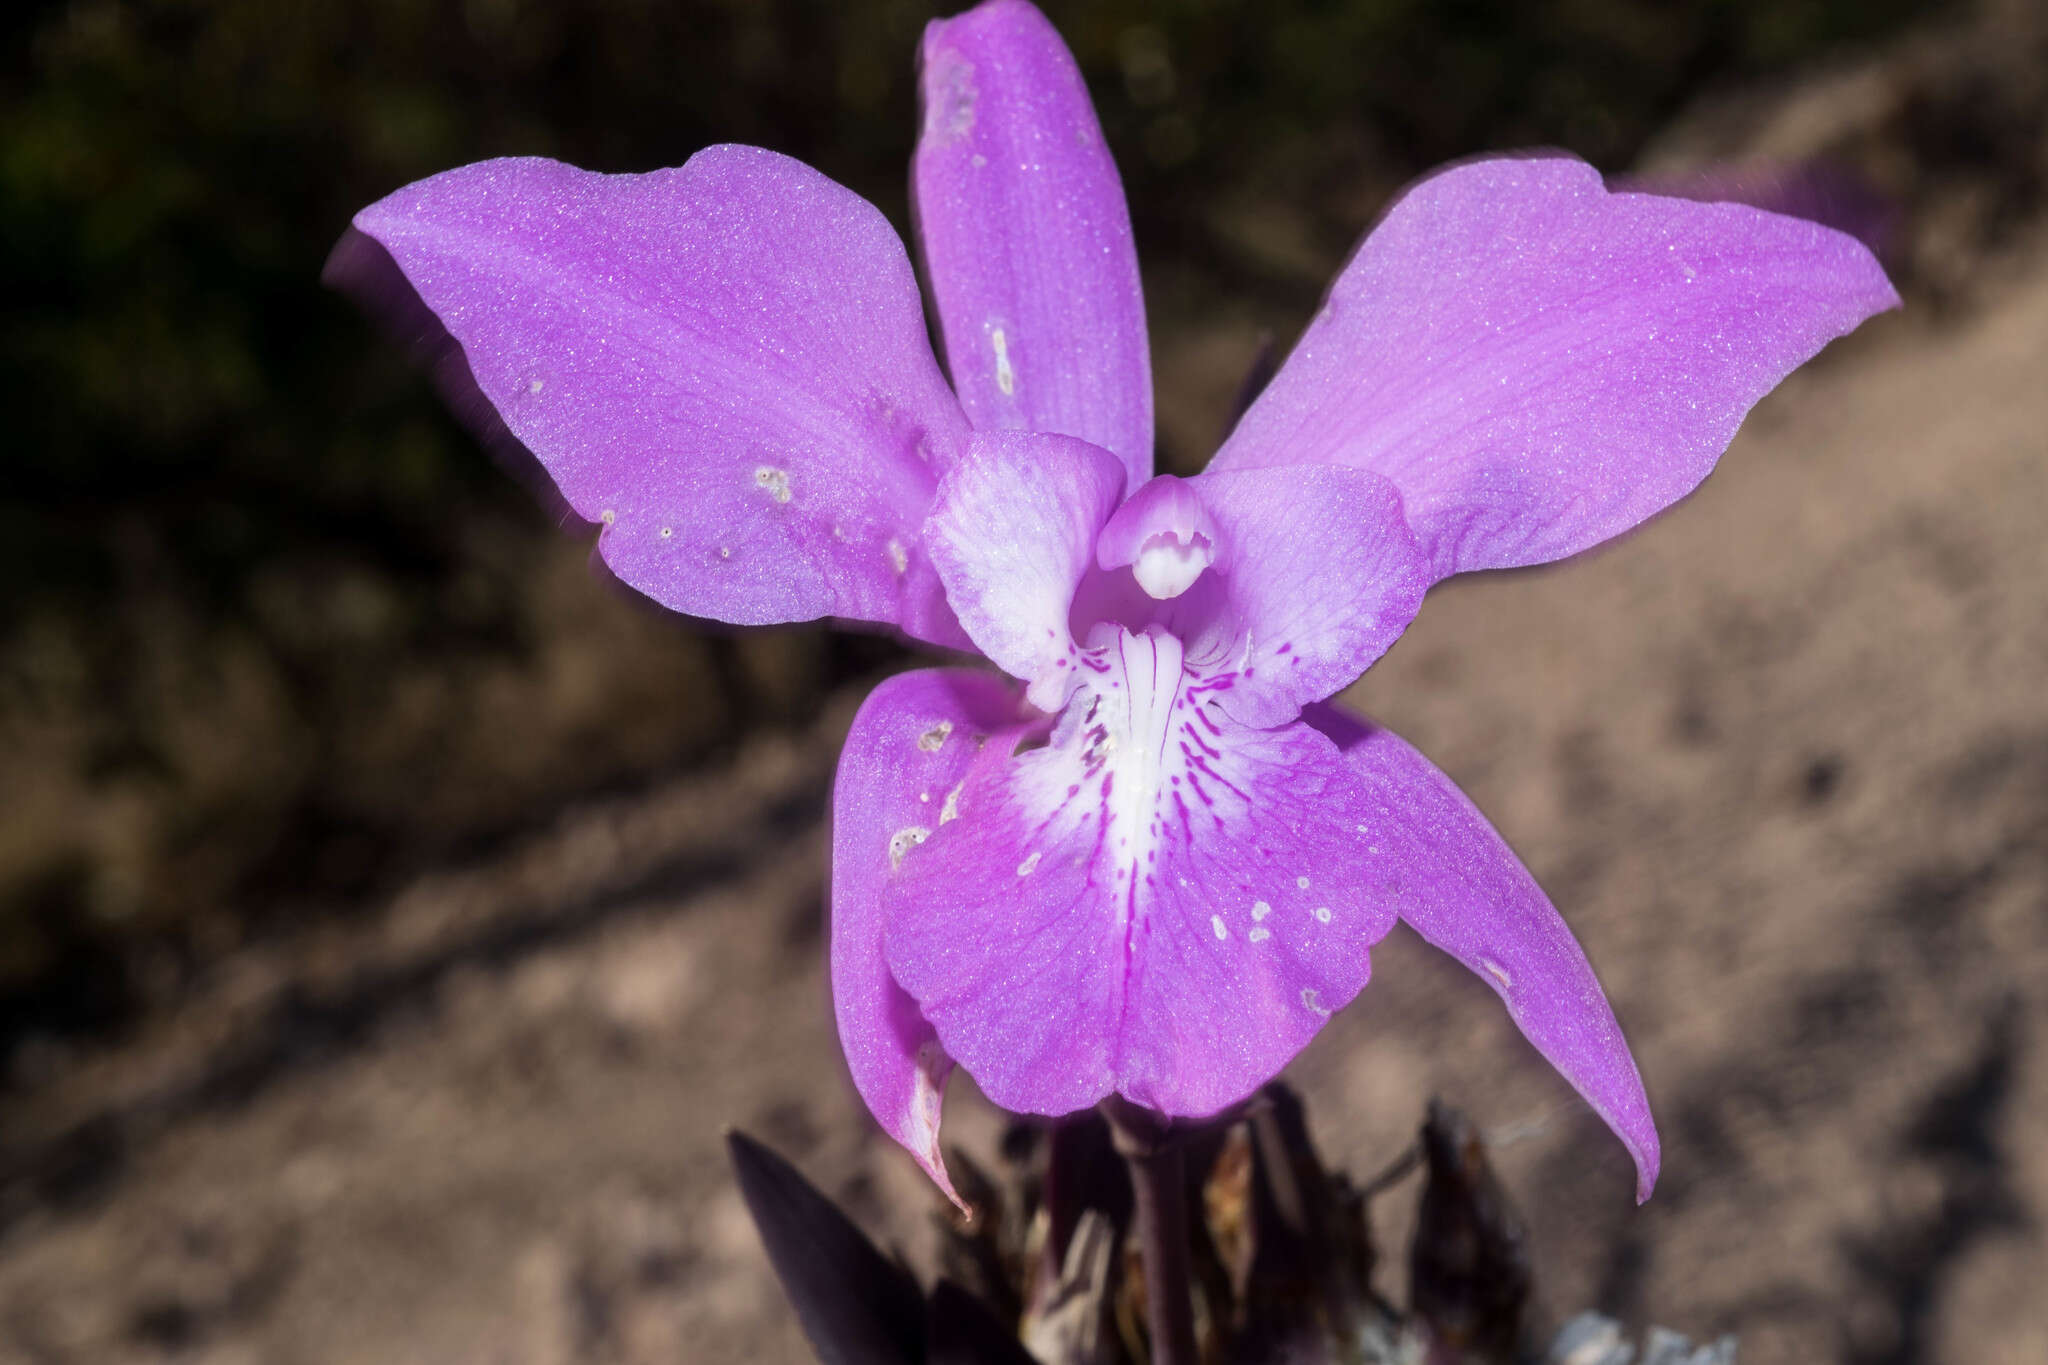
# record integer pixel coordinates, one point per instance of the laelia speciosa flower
(1152, 859)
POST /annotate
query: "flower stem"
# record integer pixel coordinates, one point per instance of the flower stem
(1158, 1169)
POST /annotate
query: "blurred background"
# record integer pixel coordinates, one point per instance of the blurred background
(392, 912)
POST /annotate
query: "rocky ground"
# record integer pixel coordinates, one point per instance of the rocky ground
(1782, 759)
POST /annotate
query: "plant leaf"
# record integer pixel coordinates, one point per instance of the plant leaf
(856, 1305)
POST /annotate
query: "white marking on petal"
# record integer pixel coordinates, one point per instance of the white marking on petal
(951, 87)
(1313, 1001)
(1025, 868)
(897, 557)
(776, 481)
(951, 810)
(1222, 930)
(1260, 910)
(725, 552)
(1259, 935)
(1497, 972)
(535, 387)
(1166, 567)
(1006, 378)
(667, 531)
(1131, 738)
(934, 739)
(925, 1103)
(1322, 914)
(904, 840)
(608, 516)
(1301, 882)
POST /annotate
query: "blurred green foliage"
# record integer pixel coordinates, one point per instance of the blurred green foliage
(226, 499)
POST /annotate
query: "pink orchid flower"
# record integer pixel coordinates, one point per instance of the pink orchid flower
(1156, 868)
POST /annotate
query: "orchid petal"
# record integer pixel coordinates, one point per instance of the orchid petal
(1820, 191)
(1164, 526)
(1539, 364)
(1283, 584)
(910, 745)
(1011, 533)
(1324, 575)
(1161, 901)
(725, 364)
(1026, 237)
(1460, 886)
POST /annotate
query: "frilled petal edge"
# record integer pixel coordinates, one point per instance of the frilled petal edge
(1457, 883)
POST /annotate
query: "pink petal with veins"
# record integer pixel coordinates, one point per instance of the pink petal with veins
(1160, 902)
(1538, 364)
(1011, 533)
(1458, 884)
(724, 365)
(1026, 238)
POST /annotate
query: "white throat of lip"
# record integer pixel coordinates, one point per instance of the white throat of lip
(1166, 566)
(1153, 678)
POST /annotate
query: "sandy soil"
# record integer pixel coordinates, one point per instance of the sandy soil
(1782, 759)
